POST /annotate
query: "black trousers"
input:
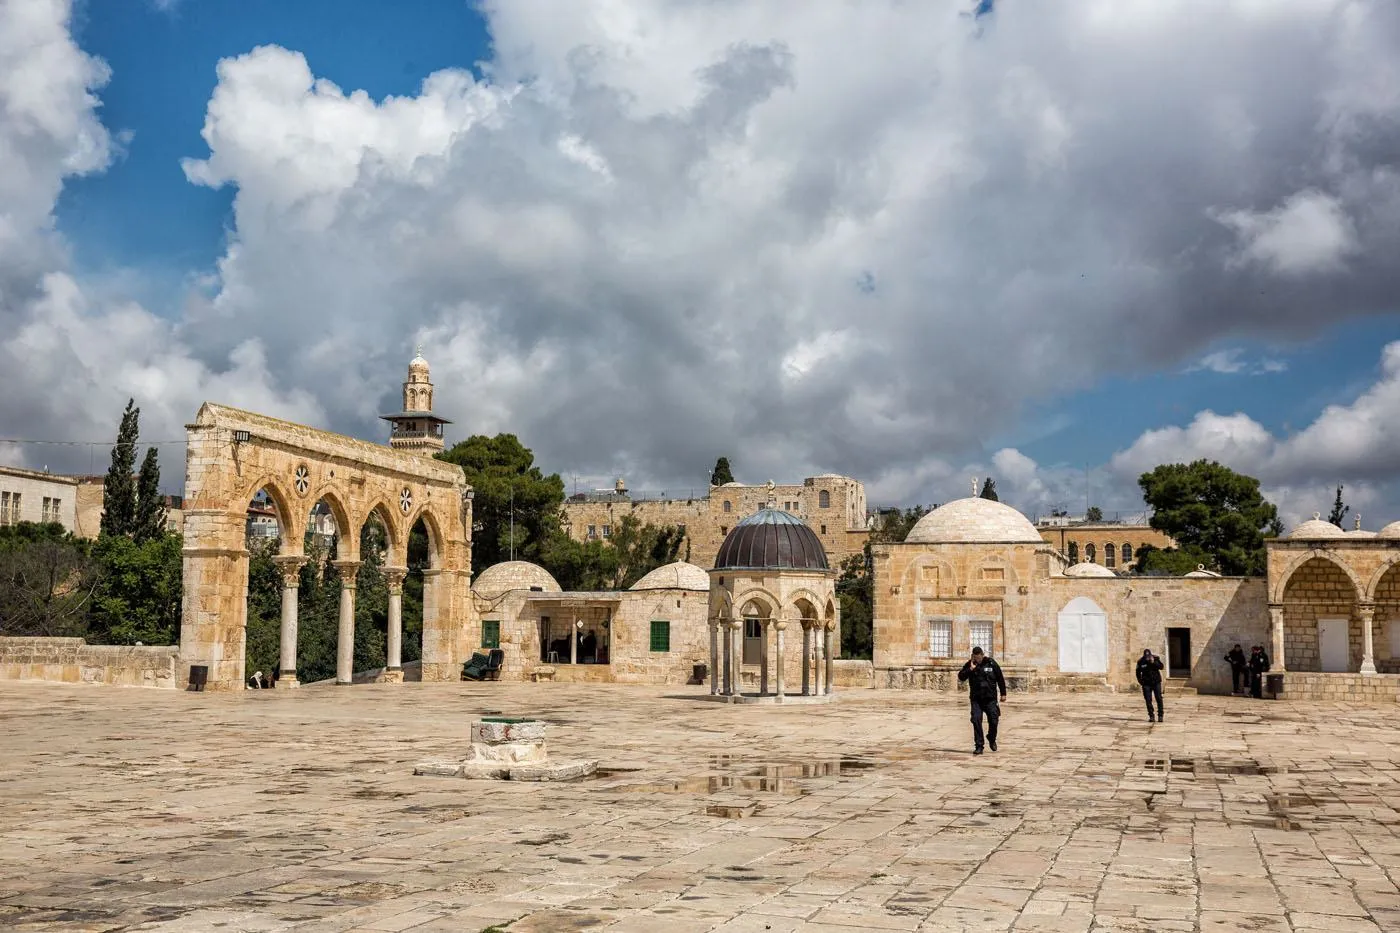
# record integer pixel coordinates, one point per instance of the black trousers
(1239, 678)
(1256, 684)
(1149, 691)
(993, 712)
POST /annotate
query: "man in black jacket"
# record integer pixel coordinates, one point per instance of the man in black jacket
(1149, 676)
(984, 683)
(1258, 667)
(1239, 669)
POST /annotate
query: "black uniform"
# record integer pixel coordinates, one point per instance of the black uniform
(984, 684)
(1239, 669)
(1149, 675)
(1258, 664)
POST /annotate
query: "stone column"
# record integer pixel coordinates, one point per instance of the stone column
(763, 659)
(725, 633)
(817, 635)
(1367, 612)
(715, 675)
(573, 642)
(780, 626)
(806, 658)
(829, 634)
(1276, 638)
(290, 568)
(737, 687)
(393, 662)
(345, 637)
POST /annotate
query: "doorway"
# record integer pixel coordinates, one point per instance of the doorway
(1332, 649)
(1178, 652)
(753, 640)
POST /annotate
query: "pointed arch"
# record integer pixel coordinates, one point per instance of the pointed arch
(289, 522)
(1280, 586)
(1373, 585)
(947, 573)
(807, 596)
(758, 595)
(433, 526)
(380, 509)
(346, 531)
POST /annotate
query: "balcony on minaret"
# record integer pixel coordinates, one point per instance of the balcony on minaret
(416, 429)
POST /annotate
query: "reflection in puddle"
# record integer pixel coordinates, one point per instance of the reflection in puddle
(777, 778)
(1208, 766)
(731, 812)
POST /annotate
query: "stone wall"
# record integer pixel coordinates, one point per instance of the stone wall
(840, 525)
(1348, 688)
(33, 487)
(1100, 535)
(73, 661)
(1319, 589)
(853, 674)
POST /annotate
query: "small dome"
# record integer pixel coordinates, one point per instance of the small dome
(1315, 527)
(730, 483)
(974, 521)
(771, 539)
(1089, 570)
(677, 576)
(1389, 531)
(1361, 533)
(499, 579)
(418, 365)
(1201, 572)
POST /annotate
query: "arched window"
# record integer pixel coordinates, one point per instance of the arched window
(1127, 554)
(726, 505)
(824, 499)
(1089, 553)
(1074, 552)
(1110, 554)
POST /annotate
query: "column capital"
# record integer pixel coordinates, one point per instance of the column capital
(348, 569)
(394, 577)
(1366, 606)
(290, 567)
(780, 624)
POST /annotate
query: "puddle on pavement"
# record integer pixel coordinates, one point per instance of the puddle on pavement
(776, 778)
(732, 812)
(1206, 766)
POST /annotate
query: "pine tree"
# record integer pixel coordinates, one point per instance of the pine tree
(721, 473)
(1339, 509)
(989, 490)
(119, 490)
(150, 506)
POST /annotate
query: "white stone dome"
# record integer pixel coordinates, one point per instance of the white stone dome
(1389, 531)
(974, 521)
(1315, 527)
(499, 579)
(418, 365)
(677, 576)
(1361, 533)
(1089, 570)
(1201, 572)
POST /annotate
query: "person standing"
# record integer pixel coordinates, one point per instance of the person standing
(1258, 666)
(984, 683)
(1239, 670)
(1149, 677)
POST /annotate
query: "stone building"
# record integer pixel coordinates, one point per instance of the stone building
(832, 506)
(1114, 545)
(978, 573)
(34, 496)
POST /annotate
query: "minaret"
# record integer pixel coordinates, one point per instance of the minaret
(415, 429)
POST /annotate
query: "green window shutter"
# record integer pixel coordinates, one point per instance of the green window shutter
(661, 636)
(491, 634)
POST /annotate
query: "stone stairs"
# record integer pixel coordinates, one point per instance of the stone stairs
(1071, 683)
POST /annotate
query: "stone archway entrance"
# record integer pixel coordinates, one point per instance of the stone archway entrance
(231, 454)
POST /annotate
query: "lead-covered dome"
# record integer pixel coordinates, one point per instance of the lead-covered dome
(499, 579)
(677, 576)
(1315, 528)
(974, 521)
(771, 539)
(1089, 570)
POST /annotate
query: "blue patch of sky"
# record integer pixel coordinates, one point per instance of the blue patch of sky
(142, 212)
(1090, 426)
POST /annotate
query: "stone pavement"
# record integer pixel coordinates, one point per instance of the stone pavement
(265, 811)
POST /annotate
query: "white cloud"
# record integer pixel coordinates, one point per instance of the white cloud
(1231, 361)
(1310, 232)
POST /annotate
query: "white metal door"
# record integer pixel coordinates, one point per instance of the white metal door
(1071, 642)
(1095, 641)
(1332, 645)
(1083, 637)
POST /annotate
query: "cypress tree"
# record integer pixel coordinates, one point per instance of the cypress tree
(150, 507)
(119, 490)
(989, 490)
(721, 473)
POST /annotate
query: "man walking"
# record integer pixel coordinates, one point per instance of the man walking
(984, 683)
(1149, 677)
(1239, 669)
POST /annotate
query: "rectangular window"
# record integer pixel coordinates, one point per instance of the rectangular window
(981, 635)
(50, 509)
(607, 531)
(823, 529)
(4, 508)
(592, 532)
(491, 633)
(940, 640)
(660, 636)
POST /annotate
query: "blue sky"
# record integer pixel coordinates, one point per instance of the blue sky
(631, 237)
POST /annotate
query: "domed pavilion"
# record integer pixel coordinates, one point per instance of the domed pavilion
(771, 571)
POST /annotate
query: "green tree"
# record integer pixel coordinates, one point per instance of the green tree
(149, 522)
(1093, 514)
(1215, 515)
(507, 485)
(989, 490)
(1339, 509)
(855, 585)
(1169, 562)
(47, 579)
(119, 490)
(264, 633)
(138, 596)
(721, 473)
